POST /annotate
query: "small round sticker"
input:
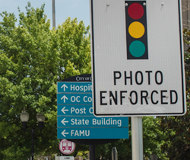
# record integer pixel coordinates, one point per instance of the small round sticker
(66, 147)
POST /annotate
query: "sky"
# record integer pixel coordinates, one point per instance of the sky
(64, 8)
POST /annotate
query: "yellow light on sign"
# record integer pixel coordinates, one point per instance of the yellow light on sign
(136, 29)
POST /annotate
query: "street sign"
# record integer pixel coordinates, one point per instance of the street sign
(74, 98)
(66, 147)
(73, 87)
(137, 52)
(75, 118)
(92, 133)
(92, 121)
(75, 110)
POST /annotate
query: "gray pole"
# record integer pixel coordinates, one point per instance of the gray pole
(137, 138)
(114, 153)
(53, 13)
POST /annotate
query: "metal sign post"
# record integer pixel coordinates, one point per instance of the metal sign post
(114, 153)
(53, 13)
(92, 151)
(137, 138)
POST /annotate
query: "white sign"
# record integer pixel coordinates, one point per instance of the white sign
(137, 58)
(64, 158)
(66, 147)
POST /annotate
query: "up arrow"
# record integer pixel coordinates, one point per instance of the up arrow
(64, 86)
(64, 110)
(64, 133)
(64, 121)
(64, 98)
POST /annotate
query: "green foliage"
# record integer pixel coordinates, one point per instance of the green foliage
(154, 138)
(187, 63)
(33, 58)
(123, 146)
(177, 128)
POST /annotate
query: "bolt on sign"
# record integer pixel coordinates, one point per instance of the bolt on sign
(137, 57)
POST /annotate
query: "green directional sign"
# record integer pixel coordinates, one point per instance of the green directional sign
(75, 118)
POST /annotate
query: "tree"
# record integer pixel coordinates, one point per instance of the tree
(33, 58)
(177, 129)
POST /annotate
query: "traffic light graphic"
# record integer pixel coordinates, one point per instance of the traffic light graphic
(136, 29)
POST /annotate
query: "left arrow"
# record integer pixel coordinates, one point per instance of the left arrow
(64, 121)
(64, 133)
(64, 110)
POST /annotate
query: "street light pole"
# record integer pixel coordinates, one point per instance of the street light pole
(32, 144)
(53, 12)
(24, 117)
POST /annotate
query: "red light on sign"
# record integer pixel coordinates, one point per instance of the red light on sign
(135, 11)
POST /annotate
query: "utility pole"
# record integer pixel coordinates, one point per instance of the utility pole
(53, 13)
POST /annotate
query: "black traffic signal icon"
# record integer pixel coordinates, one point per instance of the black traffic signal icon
(136, 30)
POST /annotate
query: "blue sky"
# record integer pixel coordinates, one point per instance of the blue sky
(64, 8)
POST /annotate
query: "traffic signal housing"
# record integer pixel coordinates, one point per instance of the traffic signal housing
(136, 30)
